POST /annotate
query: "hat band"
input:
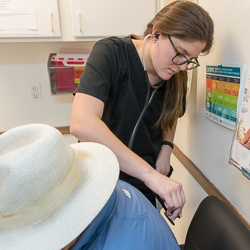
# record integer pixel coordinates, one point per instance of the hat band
(49, 203)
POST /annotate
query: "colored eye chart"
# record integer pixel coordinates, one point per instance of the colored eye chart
(222, 90)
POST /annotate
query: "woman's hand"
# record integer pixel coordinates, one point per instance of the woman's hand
(163, 160)
(163, 168)
(169, 190)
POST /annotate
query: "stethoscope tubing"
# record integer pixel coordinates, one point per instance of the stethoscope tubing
(148, 101)
(149, 97)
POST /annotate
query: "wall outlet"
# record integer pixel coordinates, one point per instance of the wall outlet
(35, 92)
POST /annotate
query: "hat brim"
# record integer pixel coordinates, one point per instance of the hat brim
(100, 175)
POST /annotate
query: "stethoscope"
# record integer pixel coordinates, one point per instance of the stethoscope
(149, 97)
(148, 100)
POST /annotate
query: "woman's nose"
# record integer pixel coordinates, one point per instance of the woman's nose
(183, 66)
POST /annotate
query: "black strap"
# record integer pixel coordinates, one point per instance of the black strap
(168, 143)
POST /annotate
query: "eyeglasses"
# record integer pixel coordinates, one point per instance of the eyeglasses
(180, 59)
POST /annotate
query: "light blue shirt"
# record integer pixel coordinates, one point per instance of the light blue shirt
(127, 222)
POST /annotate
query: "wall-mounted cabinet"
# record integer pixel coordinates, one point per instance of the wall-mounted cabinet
(84, 20)
(97, 18)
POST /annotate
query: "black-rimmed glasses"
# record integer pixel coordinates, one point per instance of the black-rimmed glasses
(180, 59)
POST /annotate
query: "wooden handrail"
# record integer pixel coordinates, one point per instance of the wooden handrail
(209, 188)
(64, 130)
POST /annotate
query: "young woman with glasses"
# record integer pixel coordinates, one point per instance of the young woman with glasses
(132, 92)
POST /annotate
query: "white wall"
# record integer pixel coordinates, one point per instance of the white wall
(24, 63)
(206, 143)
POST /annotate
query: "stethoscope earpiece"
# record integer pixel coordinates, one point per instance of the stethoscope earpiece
(156, 36)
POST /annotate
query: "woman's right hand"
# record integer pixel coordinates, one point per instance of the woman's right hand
(169, 190)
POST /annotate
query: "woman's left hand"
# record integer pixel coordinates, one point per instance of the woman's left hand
(163, 161)
(163, 168)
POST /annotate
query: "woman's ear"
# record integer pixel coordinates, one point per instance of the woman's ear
(155, 32)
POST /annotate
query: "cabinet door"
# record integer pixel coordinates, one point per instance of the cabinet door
(46, 19)
(100, 18)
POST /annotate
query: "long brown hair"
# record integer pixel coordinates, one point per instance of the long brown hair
(190, 22)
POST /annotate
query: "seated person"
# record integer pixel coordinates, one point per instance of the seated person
(58, 196)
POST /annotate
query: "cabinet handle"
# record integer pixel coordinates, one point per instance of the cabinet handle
(79, 18)
(51, 19)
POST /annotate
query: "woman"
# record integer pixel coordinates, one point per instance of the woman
(124, 75)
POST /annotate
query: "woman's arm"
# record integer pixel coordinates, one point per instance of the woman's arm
(86, 125)
(163, 160)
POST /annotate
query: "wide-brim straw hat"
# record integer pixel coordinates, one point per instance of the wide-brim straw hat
(50, 191)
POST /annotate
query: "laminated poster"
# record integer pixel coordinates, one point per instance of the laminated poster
(222, 90)
(240, 149)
